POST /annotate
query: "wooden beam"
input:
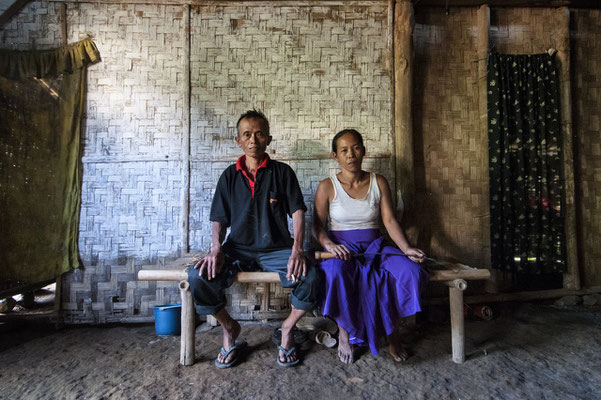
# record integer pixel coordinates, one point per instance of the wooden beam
(12, 11)
(584, 4)
(572, 276)
(403, 94)
(64, 38)
(185, 190)
(518, 296)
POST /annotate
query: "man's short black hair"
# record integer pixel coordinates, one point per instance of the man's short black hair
(253, 114)
(343, 132)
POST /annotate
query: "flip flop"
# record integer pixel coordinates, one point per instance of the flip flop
(287, 353)
(324, 338)
(237, 347)
(300, 336)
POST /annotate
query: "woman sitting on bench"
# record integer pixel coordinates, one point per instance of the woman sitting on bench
(365, 295)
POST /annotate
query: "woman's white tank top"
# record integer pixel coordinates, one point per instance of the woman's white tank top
(348, 214)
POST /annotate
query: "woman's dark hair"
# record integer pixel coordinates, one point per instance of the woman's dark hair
(253, 114)
(343, 132)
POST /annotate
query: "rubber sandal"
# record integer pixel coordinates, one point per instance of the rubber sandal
(237, 347)
(287, 353)
(324, 338)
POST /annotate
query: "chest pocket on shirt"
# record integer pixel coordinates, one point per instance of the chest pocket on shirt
(276, 203)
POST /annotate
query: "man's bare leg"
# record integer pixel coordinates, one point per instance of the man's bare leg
(231, 330)
(288, 334)
(345, 348)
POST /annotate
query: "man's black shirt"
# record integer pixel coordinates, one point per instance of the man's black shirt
(259, 221)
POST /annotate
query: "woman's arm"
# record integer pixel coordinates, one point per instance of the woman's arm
(391, 224)
(324, 192)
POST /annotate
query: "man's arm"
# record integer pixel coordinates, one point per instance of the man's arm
(212, 262)
(297, 265)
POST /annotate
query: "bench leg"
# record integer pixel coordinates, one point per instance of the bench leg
(457, 324)
(186, 355)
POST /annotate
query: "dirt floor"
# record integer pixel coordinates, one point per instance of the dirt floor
(529, 351)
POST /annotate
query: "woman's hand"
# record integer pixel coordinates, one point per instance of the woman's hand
(415, 255)
(339, 250)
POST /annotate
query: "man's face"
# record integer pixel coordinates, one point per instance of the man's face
(253, 137)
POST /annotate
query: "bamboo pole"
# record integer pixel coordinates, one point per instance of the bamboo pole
(186, 355)
(185, 145)
(457, 324)
(457, 284)
(403, 92)
(519, 296)
(571, 279)
(274, 277)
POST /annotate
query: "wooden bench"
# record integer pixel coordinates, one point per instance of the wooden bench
(453, 275)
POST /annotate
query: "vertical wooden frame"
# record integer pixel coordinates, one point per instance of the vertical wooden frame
(404, 23)
(571, 278)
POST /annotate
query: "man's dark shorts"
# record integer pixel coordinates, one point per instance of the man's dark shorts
(209, 295)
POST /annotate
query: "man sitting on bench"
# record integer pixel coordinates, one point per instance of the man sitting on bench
(253, 197)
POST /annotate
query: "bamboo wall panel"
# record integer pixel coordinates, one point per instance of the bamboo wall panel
(586, 86)
(451, 152)
(525, 30)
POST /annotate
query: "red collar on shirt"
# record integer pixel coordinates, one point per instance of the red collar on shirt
(240, 167)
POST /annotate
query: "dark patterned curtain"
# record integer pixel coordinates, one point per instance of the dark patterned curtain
(41, 110)
(526, 194)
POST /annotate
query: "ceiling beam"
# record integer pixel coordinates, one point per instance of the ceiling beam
(12, 11)
(594, 4)
(590, 4)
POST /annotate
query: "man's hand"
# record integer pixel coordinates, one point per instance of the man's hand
(211, 264)
(297, 265)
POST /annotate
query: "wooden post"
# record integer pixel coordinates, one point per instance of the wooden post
(457, 324)
(64, 23)
(403, 94)
(571, 279)
(185, 190)
(483, 44)
(186, 355)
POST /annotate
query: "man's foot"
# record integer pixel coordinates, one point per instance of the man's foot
(396, 350)
(233, 355)
(345, 349)
(231, 330)
(286, 351)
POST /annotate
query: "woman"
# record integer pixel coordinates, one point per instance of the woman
(365, 295)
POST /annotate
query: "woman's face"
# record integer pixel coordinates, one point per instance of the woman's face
(349, 153)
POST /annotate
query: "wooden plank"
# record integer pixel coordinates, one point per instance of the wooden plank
(518, 296)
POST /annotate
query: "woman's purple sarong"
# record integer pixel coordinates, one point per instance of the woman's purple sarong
(366, 295)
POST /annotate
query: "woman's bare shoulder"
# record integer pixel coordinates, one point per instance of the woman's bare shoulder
(326, 184)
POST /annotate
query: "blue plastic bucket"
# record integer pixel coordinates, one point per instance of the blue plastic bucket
(167, 319)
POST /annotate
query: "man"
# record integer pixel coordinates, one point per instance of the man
(253, 198)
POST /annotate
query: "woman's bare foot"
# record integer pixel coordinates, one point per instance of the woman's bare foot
(345, 349)
(396, 349)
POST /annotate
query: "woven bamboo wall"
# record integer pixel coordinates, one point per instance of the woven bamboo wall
(525, 30)
(451, 156)
(586, 87)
